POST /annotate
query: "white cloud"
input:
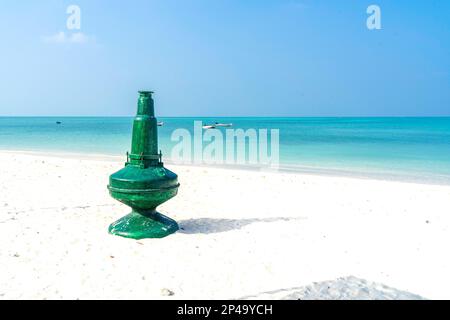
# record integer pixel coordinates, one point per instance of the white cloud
(62, 37)
(79, 37)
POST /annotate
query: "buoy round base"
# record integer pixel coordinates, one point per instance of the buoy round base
(141, 226)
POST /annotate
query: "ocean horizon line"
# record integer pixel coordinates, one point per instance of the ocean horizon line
(224, 117)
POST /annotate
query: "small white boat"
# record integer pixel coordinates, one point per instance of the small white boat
(217, 124)
(160, 124)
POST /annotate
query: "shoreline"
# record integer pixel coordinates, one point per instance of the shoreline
(302, 170)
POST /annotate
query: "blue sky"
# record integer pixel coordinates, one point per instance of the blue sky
(226, 58)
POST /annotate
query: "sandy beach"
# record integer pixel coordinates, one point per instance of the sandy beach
(244, 234)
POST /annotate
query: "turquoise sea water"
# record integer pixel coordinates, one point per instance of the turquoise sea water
(412, 148)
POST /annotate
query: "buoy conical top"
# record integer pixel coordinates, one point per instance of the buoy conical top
(144, 144)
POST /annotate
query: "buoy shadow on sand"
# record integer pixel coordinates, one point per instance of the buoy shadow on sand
(210, 225)
(344, 288)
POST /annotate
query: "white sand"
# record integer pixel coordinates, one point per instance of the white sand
(246, 234)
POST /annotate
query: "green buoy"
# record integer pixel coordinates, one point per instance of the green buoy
(144, 183)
